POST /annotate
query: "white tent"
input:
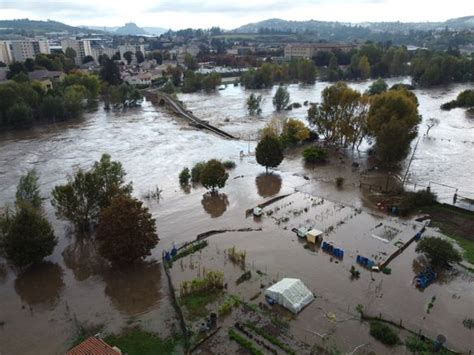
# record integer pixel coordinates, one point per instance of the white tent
(291, 294)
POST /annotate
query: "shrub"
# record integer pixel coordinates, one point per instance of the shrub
(184, 177)
(229, 164)
(226, 307)
(196, 172)
(438, 250)
(413, 200)
(237, 256)
(244, 342)
(384, 333)
(315, 155)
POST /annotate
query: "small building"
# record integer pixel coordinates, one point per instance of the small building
(94, 346)
(314, 236)
(291, 294)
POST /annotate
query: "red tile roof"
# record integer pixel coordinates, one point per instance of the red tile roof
(93, 346)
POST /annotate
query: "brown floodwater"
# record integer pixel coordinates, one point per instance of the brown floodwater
(43, 307)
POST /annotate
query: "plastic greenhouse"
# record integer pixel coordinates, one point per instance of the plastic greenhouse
(291, 294)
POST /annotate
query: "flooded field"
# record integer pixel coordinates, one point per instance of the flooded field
(43, 308)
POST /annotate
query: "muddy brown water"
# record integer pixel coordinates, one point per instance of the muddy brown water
(42, 308)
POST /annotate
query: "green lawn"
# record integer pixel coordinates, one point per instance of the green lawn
(139, 342)
(196, 302)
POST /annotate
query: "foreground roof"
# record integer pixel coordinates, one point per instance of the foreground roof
(93, 346)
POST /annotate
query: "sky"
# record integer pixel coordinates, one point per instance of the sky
(229, 14)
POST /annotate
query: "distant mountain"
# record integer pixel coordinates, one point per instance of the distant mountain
(38, 27)
(154, 31)
(130, 29)
(328, 28)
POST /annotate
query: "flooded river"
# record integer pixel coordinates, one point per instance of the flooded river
(43, 308)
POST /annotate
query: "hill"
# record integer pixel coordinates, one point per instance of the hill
(130, 29)
(327, 28)
(38, 27)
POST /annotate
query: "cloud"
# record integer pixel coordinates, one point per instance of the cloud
(51, 9)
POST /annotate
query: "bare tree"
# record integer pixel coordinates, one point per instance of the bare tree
(430, 124)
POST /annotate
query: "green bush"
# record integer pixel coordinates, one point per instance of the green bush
(184, 176)
(196, 172)
(315, 155)
(384, 333)
(230, 303)
(413, 200)
(229, 164)
(339, 181)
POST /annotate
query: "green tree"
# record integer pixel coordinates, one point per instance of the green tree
(70, 53)
(88, 59)
(281, 99)
(169, 87)
(393, 121)
(20, 115)
(254, 104)
(29, 237)
(125, 95)
(190, 62)
(126, 231)
(377, 87)
(439, 251)
(74, 97)
(184, 177)
(27, 191)
(211, 82)
(87, 192)
(52, 108)
(128, 57)
(269, 152)
(213, 175)
(140, 57)
(110, 72)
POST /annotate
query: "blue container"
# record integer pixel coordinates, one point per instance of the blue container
(167, 256)
(342, 253)
(174, 251)
(358, 259)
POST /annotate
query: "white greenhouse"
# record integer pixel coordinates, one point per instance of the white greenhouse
(291, 294)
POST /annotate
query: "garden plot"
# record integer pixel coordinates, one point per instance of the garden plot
(347, 228)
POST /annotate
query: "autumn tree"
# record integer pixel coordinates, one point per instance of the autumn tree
(126, 231)
(213, 175)
(393, 121)
(364, 67)
(341, 116)
(269, 152)
(29, 237)
(294, 131)
(281, 99)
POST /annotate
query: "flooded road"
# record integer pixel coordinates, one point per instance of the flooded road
(44, 307)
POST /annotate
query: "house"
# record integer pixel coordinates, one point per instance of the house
(309, 50)
(94, 346)
(46, 77)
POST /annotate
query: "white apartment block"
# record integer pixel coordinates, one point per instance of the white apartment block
(81, 47)
(109, 52)
(22, 50)
(130, 48)
(5, 53)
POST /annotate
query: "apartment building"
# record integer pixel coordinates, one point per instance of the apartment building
(109, 52)
(309, 50)
(81, 47)
(5, 53)
(22, 50)
(130, 48)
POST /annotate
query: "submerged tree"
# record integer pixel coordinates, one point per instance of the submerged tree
(27, 191)
(281, 99)
(126, 231)
(393, 122)
(269, 152)
(88, 191)
(29, 237)
(253, 104)
(213, 175)
(439, 251)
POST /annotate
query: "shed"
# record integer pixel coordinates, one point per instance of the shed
(291, 294)
(314, 235)
(94, 346)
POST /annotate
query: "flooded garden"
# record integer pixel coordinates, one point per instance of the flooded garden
(45, 307)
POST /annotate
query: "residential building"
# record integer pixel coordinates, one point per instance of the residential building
(46, 77)
(97, 52)
(309, 50)
(5, 53)
(24, 49)
(81, 47)
(130, 48)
